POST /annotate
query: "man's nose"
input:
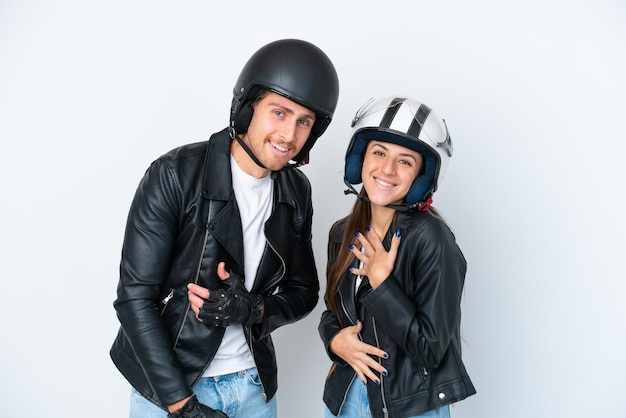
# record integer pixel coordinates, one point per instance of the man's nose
(288, 131)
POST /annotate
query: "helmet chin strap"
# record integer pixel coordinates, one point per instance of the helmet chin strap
(256, 160)
(419, 206)
(249, 152)
(352, 190)
(404, 207)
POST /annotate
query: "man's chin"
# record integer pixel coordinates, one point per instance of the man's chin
(276, 164)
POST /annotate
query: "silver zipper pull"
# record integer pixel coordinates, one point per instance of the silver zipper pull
(168, 297)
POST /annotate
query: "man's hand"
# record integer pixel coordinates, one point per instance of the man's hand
(194, 409)
(224, 307)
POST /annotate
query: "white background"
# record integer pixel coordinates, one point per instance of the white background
(534, 96)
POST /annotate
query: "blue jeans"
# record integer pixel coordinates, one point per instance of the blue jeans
(358, 406)
(239, 395)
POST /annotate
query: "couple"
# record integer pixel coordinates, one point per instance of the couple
(217, 254)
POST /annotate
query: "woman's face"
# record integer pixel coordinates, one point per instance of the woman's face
(389, 171)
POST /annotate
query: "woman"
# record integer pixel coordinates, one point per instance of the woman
(395, 273)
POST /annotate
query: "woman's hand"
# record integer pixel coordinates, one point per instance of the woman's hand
(347, 345)
(377, 262)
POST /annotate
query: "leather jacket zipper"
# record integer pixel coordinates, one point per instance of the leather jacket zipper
(247, 330)
(166, 300)
(206, 238)
(353, 322)
(382, 380)
(282, 262)
(249, 338)
(345, 311)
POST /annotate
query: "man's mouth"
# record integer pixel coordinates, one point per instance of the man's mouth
(280, 148)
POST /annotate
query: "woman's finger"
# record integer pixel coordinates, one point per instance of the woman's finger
(370, 241)
(395, 243)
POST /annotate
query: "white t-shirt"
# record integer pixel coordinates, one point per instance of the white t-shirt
(359, 279)
(255, 200)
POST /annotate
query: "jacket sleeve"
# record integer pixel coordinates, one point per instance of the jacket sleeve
(329, 323)
(149, 243)
(419, 304)
(297, 293)
(328, 328)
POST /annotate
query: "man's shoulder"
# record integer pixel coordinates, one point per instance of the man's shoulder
(185, 151)
(195, 149)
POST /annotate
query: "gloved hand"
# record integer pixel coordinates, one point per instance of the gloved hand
(233, 305)
(194, 409)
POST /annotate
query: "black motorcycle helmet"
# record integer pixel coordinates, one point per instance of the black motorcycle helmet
(295, 69)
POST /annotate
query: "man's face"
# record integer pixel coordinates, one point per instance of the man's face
(278, 130)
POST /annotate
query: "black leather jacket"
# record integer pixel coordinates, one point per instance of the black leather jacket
(414, 316)
(183, 221)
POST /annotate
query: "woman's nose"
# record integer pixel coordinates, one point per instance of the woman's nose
(388, 166)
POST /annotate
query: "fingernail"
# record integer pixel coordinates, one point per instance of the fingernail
(398, 233)
(384, 372)
(350, 269)
(350, 246)
(368, 229)
(356, 234)
(377, 382)
(385, 355)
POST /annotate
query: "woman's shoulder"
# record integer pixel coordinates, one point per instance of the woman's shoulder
(336, 230)
(427, 222)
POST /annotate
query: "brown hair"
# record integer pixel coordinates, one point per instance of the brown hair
(358, 220)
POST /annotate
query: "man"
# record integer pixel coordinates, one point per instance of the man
(217, 251)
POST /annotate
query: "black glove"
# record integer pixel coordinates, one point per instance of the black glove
(194, 409)
(233, 305)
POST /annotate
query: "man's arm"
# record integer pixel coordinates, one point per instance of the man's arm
(148, 248)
